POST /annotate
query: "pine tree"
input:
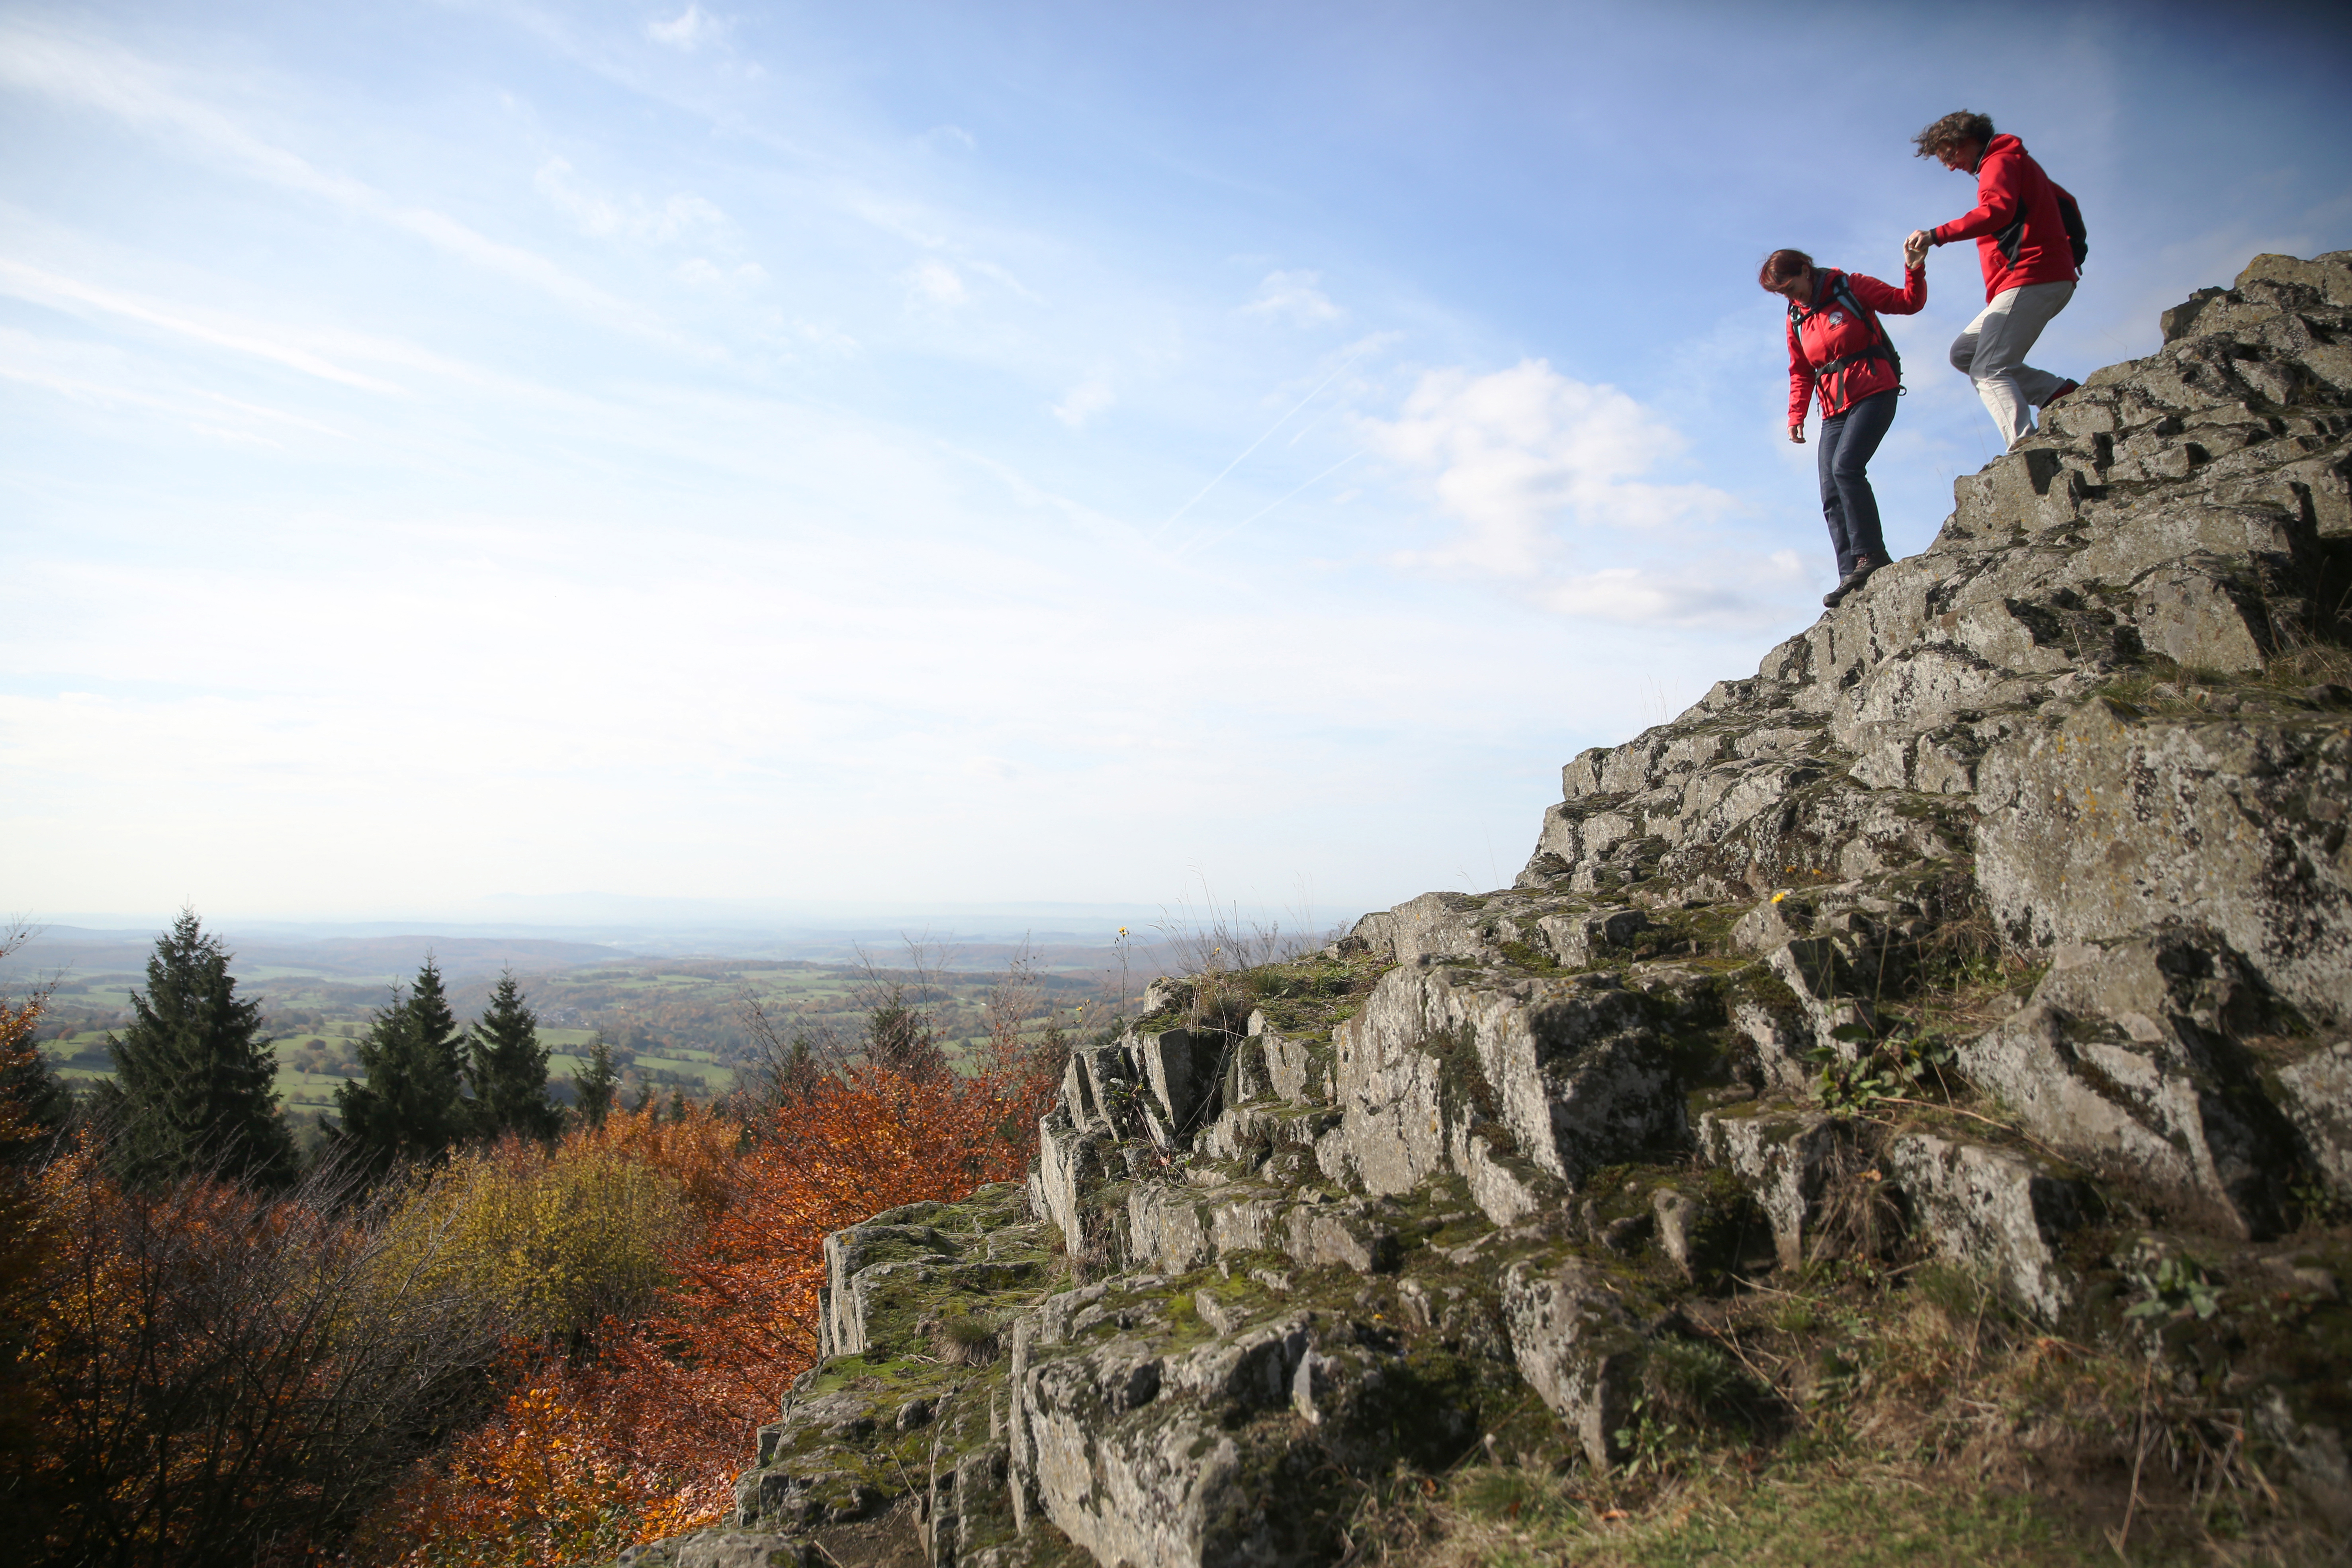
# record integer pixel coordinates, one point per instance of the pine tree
(193, 1074)
(596, 1086)
(411, 1105)
(506, 1067)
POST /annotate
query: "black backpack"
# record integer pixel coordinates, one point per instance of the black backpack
(2078, 240)
(1881, 346)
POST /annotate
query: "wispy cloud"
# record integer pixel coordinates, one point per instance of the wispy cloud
(1295, 297)
(936, 283)
(241, 337)
(1524, 458)
(688, 30)
(1722, 591)
(1547, 482)
(1089, 398)
(113, 80)
(684, 215)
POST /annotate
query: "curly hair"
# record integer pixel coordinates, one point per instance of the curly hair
(1961, 125)
(1782, 267)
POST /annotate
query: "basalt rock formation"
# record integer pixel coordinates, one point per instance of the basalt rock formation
(2004, 917)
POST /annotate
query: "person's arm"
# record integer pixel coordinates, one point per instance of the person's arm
(1801, 387)
(1999, 194)
(1887, 299)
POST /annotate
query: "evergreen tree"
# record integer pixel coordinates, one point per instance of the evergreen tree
(596, 1086)
(193, 1074)
(411, 1104)
(41, 1100)
(506, 1067)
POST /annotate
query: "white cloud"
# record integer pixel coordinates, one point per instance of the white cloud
(683, 215)
(241, 337)
(1085, 400)
(1723, 591)
(701, 272)
(938, 284)
(1525, 458)
(688, 30)
(1296, 296)
(136, 91)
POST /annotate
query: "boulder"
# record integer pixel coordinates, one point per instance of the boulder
(1576, 1347)
(2124, 1059)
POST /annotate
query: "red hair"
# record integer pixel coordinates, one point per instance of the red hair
(1784, 268)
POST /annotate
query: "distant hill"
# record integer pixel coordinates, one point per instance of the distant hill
(81, 950)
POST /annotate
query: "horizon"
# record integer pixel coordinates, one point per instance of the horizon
(762, 458)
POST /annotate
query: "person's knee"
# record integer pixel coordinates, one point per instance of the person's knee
(1964, 352)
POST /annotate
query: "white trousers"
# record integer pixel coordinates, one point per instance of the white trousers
(1992, 352)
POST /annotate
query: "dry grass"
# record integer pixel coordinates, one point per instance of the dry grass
(1918, 1423)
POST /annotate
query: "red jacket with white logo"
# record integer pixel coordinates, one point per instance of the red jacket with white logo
(2019, 223)
(1830, 343)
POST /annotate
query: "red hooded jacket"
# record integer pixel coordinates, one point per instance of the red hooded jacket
(2019, 224)
(1823, 330)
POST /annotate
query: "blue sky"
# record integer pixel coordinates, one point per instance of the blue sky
(922, 453)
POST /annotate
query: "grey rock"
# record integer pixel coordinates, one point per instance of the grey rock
(743, 1549)
(1994, 1208)
(1571, 1071)
(1785, 1156)
(1184, 1069)
(1576, 1347)
(2123, 1061)
(2107, 825)
(1582, 940)
(2315, 1093)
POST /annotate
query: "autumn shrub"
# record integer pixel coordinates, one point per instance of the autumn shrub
(550, 1244)
(636, 1432)
(215, 1376)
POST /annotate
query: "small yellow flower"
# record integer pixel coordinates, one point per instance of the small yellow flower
(1779, 895)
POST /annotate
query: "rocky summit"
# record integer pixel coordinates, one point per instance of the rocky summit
(1998, 929)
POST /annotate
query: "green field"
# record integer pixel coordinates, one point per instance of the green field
(673, 1026)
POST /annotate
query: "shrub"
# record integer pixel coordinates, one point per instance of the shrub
(551, 1243)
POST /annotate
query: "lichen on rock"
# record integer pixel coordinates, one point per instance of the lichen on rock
(2004, 918)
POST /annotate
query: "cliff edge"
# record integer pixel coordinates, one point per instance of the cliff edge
(1988, 951)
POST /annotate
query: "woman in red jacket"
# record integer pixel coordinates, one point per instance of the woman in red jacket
(1838, 350)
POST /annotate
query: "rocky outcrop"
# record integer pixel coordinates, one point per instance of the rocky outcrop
(2004, 916)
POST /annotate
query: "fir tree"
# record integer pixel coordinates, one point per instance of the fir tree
(193, 1074)
(411, 1105)
(506, 1067)
(596, 1086)
(41, 1099)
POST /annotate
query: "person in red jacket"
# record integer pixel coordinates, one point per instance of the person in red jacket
(2029, 235)
(1838, 352)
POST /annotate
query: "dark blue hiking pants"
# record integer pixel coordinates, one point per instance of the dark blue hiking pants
(1848, 440)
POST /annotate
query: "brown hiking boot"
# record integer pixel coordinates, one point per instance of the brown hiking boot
(1851, 581)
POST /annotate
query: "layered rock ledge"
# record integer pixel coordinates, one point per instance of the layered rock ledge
(2004, 917)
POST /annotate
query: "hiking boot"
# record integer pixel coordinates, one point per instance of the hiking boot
(1851, 581)
(2064, 388)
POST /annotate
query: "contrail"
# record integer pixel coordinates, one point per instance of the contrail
(1211, 538)
(1261, 441)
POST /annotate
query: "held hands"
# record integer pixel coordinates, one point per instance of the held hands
(1914, 247)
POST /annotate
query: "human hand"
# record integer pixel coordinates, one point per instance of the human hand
(1915, 249)
(1796, 433)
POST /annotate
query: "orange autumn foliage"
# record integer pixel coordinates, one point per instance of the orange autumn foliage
(638, 1435)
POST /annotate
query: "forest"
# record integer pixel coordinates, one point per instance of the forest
(464, 1324)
